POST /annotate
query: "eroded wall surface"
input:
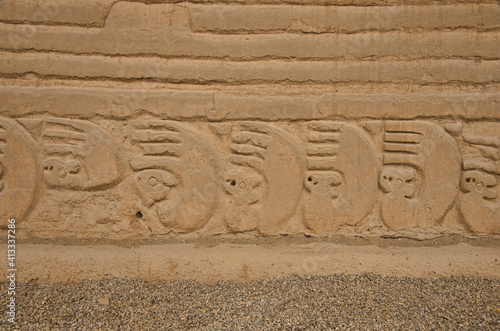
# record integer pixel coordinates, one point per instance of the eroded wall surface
(132, 119)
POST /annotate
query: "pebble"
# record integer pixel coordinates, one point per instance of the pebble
(339, 302)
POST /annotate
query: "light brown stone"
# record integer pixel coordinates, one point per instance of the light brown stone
(342, 166)
(79, 155)
(479, 202)
(169, 35)
(70, 12)
(20, 172)
(273, 16)
(214, 120)
(321, 19)
(420, 175)
(264, 178)
(245, 72)
(287, 104)
(176, 174)
(153, 263)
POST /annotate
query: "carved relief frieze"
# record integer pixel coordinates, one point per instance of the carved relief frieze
(479, 202)
(263, 178)
(151, 176)
(341, 178)
(175, 173)
(20, 171)
(420, 175)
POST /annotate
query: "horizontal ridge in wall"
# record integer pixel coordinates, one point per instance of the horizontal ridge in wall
(216, 105)
(13, 64)
(229, 18)
(175, 43)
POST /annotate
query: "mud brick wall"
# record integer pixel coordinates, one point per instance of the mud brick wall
(135, 119)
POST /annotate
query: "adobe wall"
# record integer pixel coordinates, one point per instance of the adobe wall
(127, 120)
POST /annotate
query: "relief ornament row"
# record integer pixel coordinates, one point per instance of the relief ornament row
(415, 172)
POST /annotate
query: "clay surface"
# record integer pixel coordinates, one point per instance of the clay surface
(246, 262)
(147, 176)
(250, 118)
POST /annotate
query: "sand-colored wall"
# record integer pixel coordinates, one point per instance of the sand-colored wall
(139, 119)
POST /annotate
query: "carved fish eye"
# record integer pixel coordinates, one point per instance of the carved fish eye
(62, 173)
(156, 180)
(153, 181)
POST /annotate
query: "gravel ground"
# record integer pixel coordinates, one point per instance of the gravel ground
(365, 302)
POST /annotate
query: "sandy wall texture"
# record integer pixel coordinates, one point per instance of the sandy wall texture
(209, 263)
(126, 120)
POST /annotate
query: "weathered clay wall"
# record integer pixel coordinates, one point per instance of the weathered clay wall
(132, 119)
